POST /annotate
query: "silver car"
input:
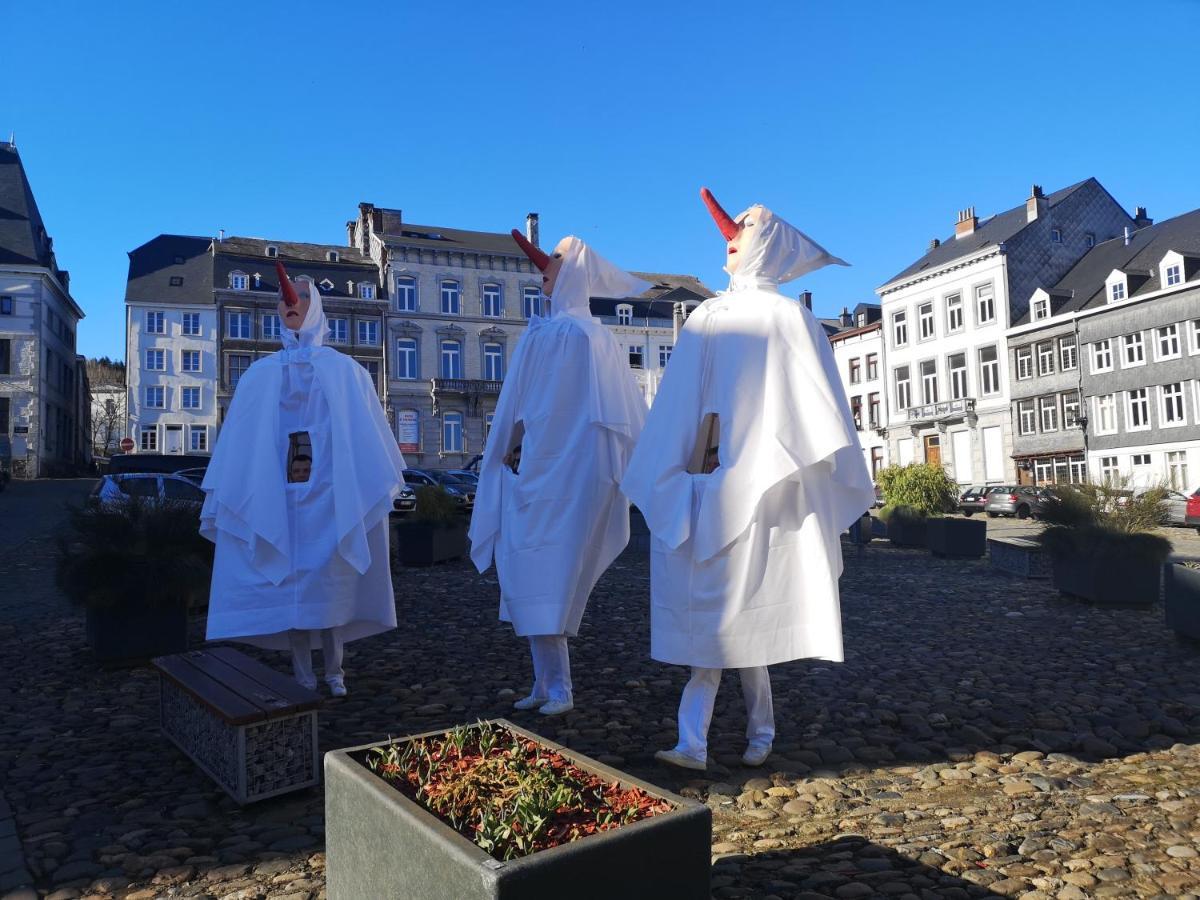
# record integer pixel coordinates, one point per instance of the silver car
(1021, 501)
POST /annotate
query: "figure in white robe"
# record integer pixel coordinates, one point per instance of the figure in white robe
(548, 507)
(298, 494)
(748, 470)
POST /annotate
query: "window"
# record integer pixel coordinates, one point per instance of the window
(155, 323)
(237, 325)
(1195, 348)
(239, 281)
(156, 360)
(1177, 470)
(238, 364)
(1026, 417)
(451, 359)
(1048, 407)
(903, 388)
(856, 411)
(929, 386)
(1173, 275)
(1102, 356)
(1140, 460)
(450, 298)
(190, 361)
(1024, 363)
(493, 302)
(452, 432)
(925, 318)
(493, 362)
(664, 355)
(406, 294)
(1137, 410)
(1045, 357)
(1041, 309)
(872, 367)
(1056, 235)
(635, 357)
(5, 365)
(149, 438)
(958, 376)
(1070, 409)
(855, 371)
(270, 326)
(406, 358)
(366, 291)
(191, 323)
(873, 410)
(985, 304)
(954, 313)
(1106, 414)
(900, 329)
(156, 396)
(368, 331)
(624, 314)
(1116, 291)
(1109, 471)
(190, 397)
(338, 329)
(272, 251)
(861, 319)
(1068, 354)
(332, 256)
(6, 306)
(198, 438)
(989, 371)
(176, 280)
(876, 460)
(1167, 343)
(1134, 350)
(531, 302)
(1171, 405)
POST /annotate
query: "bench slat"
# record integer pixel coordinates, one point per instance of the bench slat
(273, 692)
(282, 684)
(232, 707)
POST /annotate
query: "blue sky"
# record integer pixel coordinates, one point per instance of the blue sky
(867, 125)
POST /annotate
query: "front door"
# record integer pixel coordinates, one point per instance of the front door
(933, 450)
(174, 439)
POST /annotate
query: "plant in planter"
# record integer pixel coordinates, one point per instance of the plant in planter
(1102, 544)
(135, 566)
(434, 533)
(914, 495)
(491, 810)
(1182, 597)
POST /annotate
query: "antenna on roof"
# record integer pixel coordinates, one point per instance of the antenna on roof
(12, 139)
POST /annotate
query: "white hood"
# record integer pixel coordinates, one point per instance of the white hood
(777, 252)
(314, 327)
(586, 274)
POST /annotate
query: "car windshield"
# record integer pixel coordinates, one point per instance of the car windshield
(456, 480)
(139, 487)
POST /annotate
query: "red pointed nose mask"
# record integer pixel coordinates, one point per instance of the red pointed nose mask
(290, 297)
(729, 228)
(536, 256)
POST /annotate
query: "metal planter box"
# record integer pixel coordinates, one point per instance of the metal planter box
(424, 544)
(1183, 600)
(959, 538)
(1019, 556)
(1109, 581)
(907, 532)
(381, 844)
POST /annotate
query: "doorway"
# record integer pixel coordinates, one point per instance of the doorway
(174, 439)
(933, 450)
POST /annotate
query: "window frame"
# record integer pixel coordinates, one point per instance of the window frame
(903, 386)
(1104, 347)
(160, 317)
(1045, 353)
(196, 355)
(872, 365)
(624, 313)
(195, 431)
(450, 292)
(534, 308)
(160, 392)
(984, 366)
(927, 380)
(402, 354)
(191, 390)
(371, 329)
(241, 315)
(1164, 415)
(450, 349)
(159, 354)
(339, 330)
(1172, 335)
(188, 319)
(1048, 405)
(1027, 406)
(229, 369)
(1173, 275)
(900, 326)
(1065, 343)
(991, 303)
(955, 309)
(493, 357)
(269, 333)
(1103, 404)
(1133, 339)
(954, 373)
(1070, 400)
(855, 370)
(151, 432)
(1143, 403)
(495, 290)
(1024, 363)
(455, 418)
(926, 316)
(406, 289)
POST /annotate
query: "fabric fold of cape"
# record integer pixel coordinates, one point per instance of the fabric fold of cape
(311, 555)
(571, 402)
(745, 560)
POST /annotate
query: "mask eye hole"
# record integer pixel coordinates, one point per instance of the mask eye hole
(558, 256)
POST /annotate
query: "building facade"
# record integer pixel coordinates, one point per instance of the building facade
(945, 320)
(43, 404)
(858, 352)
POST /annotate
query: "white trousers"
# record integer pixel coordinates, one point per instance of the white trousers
(331, 647)
(696, 709)
(551, 666)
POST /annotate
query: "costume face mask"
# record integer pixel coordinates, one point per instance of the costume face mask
(292, 317)
(550, 276)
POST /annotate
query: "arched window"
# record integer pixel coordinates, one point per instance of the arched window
(451, 305)
(493, 362)
(452, 432)
(406, 294)
(239, 281)
(272, 251)
(624, 314)
(332, 256)
(406, 358)
(531, 302)
(451, 359)
(493, 301)
(366, 291)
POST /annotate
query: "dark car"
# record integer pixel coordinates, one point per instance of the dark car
(1021, 501)
(123, 463)
(462, 492)
(973, 500)
(406, 502)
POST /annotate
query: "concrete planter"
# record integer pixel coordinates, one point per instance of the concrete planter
(958, 538)
(1182, 599)
(129, 635)
(1109, 581)
(1019, 556)
(379, 843)
(907, 532)
(424, 544)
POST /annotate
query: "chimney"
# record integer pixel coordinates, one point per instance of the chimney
(1035, 206)
(531, 228)
(1140, 219)
(934, 244)
(806, 299)
(220, 235)
(845, 318)
(967, 220)
(365, 214)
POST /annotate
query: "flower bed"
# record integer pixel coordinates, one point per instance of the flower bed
(506, 793)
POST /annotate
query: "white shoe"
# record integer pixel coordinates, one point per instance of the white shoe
(676, 758)
(337, 687)
(530, 702)
(311, 683)
(556, 707)
(756, 754)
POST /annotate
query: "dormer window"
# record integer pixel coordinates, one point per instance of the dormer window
(861, 319)
(239, 281)
(1174, 274)
(272, 251)
(326, 284)
(332, 256)
(624, 314)
(366, 291)
(1041, 308)
(1116, 291)
(1056, 235)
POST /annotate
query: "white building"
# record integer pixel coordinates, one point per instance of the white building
(858, 350)
(42, 424)
(946, 315)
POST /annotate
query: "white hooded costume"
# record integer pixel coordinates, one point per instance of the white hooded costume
(745, 560)
(305, 563)
(571, 403)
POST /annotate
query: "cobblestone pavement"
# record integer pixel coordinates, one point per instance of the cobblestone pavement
(984, 738)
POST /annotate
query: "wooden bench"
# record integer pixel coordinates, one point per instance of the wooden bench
(252, 729)
(1019, 556)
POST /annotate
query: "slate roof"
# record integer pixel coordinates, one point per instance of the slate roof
(437, 237)
(989, 232)
(249, 255)
(153, 265)
(659, 301)
(1083, 285)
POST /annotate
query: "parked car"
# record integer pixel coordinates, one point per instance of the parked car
(152, 486)
(406, 502)
(1192, 513)
(462, 492)
(195, 475)
(463, 475)
(973, 500)
(1021, 501)
(121, 463)
(1174, 505)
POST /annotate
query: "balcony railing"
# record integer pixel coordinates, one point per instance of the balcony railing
(947, 409)
(466, 386)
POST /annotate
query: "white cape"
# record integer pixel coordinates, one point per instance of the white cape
(557, 525)
(309, 555)
(745, 560)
